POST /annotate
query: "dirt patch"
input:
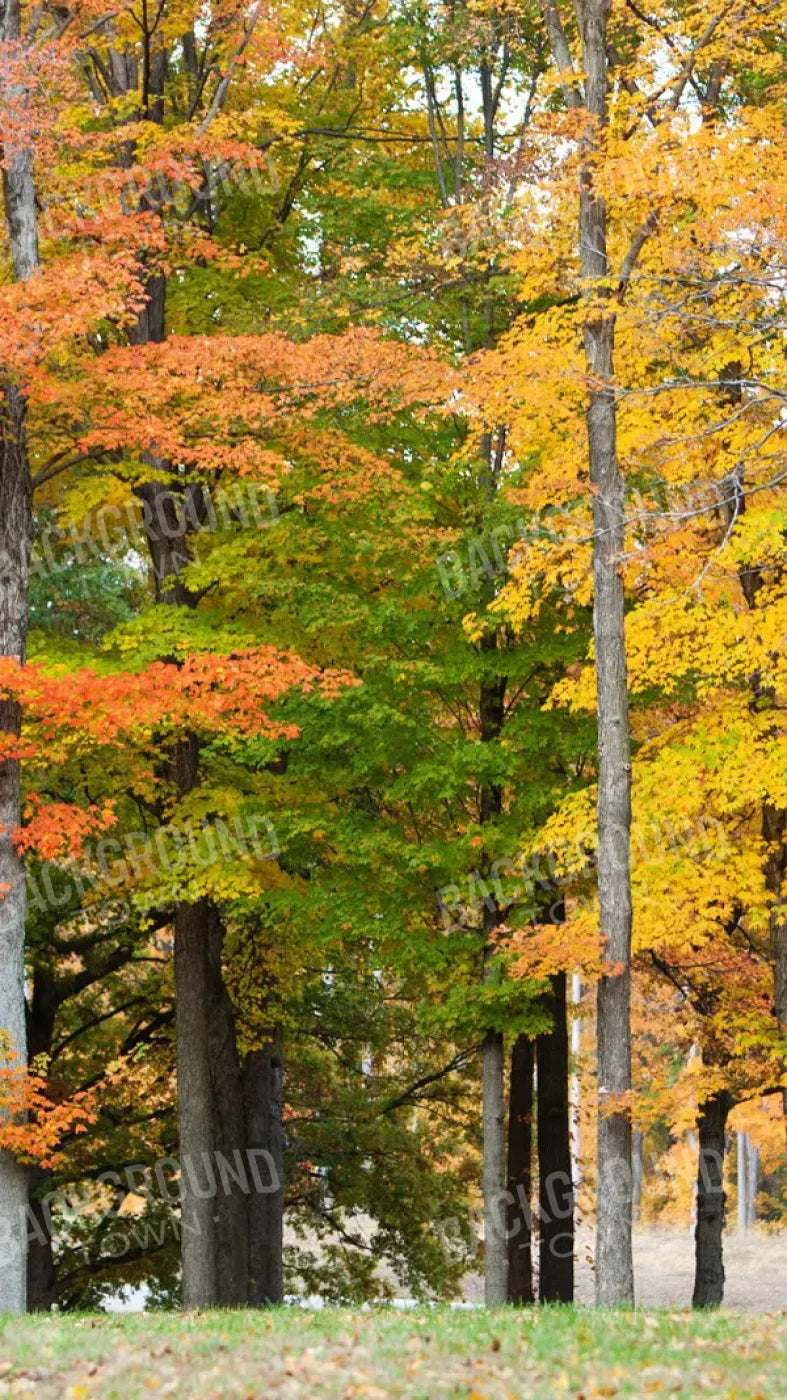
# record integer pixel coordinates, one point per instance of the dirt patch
(755, 1265)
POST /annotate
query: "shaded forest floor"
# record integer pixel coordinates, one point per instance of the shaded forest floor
(436, 1354)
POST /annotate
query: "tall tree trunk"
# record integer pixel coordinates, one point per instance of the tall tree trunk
(492, 717)
(196, 1118)
(16, 523)
(711, 1200)
(195, 1109)
(264, 1102)
(555, 1187)
(232, 1199)
(211, 1115)
(614, 1266)
(15, 533)
(206, 1226)
(520, 1171)
(494, 1172)
(576, 1051)
(247, 1224)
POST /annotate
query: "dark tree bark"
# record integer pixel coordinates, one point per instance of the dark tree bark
(520, 1171)
(41, 1271)
(555, 1188)
(232, 1200)
(264, 1104)
(711, 1201)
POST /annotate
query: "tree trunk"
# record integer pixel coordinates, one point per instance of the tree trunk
(195, 1108)
(709, 1267)
(208, 1227)
(245, 1227)
(637, 1172)
(576, 1104)
(491, 720)
(16, 522)
(232, 1199)
(41, 1273)
(614, 1267)
(742, 1183)
(197, 1135)
(264, 1094)
(15, 533)
(555, 1188)
(494, 1178)
(520, 1172)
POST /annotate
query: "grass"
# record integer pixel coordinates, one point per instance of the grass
(428, 1354)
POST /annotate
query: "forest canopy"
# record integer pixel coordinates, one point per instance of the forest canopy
(393, 606)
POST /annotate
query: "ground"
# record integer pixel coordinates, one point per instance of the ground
(756, 1267)
(436, 1354)
(429, 1354)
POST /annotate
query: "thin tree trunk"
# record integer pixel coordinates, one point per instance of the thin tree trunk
(520, 1171)
(16, 521)
(15, 531)
(742, 1183)
(576, 1051)
(637, 1169)
(264, 1099)
(709, 1266)
(555, 1187)
(753, 1179)
(494, 1172)
(614, 1267)
(492, 717)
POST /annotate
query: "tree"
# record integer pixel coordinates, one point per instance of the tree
(15, 543)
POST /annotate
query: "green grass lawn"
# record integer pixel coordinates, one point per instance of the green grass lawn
(428, 1354)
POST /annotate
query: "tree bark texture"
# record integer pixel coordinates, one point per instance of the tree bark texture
(555, 1187)
(16, 522)
(614, 1266)
(520, 1171)
(711, 1201)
